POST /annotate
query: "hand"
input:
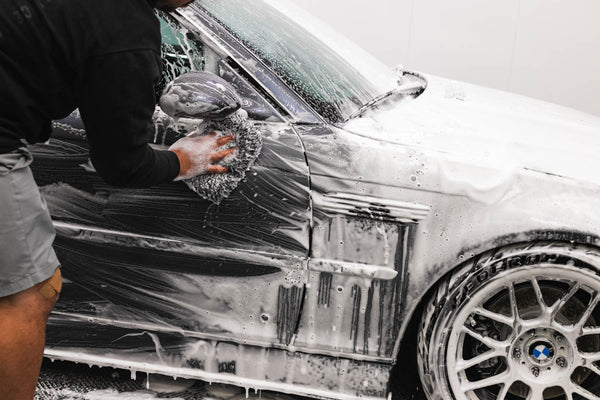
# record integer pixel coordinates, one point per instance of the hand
(198, 153)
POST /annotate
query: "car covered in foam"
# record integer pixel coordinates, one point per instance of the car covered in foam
(397, 232)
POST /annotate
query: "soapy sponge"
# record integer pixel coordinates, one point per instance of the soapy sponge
(248, 141)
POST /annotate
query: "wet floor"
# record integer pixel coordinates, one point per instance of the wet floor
(69, 381)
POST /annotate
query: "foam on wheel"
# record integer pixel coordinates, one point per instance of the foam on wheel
(518, 323)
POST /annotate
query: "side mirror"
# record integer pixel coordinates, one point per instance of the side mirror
(199, 95)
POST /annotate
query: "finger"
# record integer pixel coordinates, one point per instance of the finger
(224, 140)
(202, 138)
(219, 155)
(217, 169)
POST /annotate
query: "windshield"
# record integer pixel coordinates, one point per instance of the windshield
(327, 81)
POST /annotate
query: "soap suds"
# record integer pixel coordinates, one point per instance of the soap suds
(248, 140)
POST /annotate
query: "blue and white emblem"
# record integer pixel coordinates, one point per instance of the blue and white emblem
(541, 352)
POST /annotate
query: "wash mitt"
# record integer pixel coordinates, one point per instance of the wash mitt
(248, 141)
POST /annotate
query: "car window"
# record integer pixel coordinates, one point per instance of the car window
(181, 53)
(329, 84)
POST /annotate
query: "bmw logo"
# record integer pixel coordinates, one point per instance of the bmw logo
(541, 351)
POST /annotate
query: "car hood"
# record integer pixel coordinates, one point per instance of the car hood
(477, 125)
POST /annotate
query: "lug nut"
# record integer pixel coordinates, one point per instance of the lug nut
(517, 352)
(559, 338)
(561, 362)
(535, 371)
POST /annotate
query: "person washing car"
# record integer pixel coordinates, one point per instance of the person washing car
(56, 55)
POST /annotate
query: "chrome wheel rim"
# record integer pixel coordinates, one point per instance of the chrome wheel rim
(529, 334)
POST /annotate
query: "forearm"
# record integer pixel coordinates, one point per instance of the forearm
(143, 167)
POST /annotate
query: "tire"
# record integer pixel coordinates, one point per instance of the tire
(517, 323)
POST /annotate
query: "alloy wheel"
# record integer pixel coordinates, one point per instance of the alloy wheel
(531, 334)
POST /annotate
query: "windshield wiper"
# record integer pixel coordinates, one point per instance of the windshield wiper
(408, 88)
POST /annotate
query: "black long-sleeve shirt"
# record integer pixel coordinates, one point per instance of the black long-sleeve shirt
(102, 56)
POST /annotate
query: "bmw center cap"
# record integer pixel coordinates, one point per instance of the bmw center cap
(541, 351)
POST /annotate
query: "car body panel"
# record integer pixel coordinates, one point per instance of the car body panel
(163, 256)
(476, 201)
(504, 131)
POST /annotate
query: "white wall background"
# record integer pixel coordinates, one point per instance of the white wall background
(548, 49)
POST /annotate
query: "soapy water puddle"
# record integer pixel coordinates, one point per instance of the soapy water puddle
(69, 381)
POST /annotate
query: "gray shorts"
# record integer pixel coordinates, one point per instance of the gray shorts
(26, 230)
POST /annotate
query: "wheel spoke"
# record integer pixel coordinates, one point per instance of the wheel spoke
(590, 331)
(582, 392)
(538, 295)
(488, 341)
(593, 368)
(569, 394)
(462, 365)
(503, 319)
(514, 308)
(504, 391)
(589, 358)
(535, 393)
(482, 383)
(556, 307)
(588, 310)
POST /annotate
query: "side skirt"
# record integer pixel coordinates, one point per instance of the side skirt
(245, 366)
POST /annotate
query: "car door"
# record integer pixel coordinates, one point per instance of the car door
(165, 259)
